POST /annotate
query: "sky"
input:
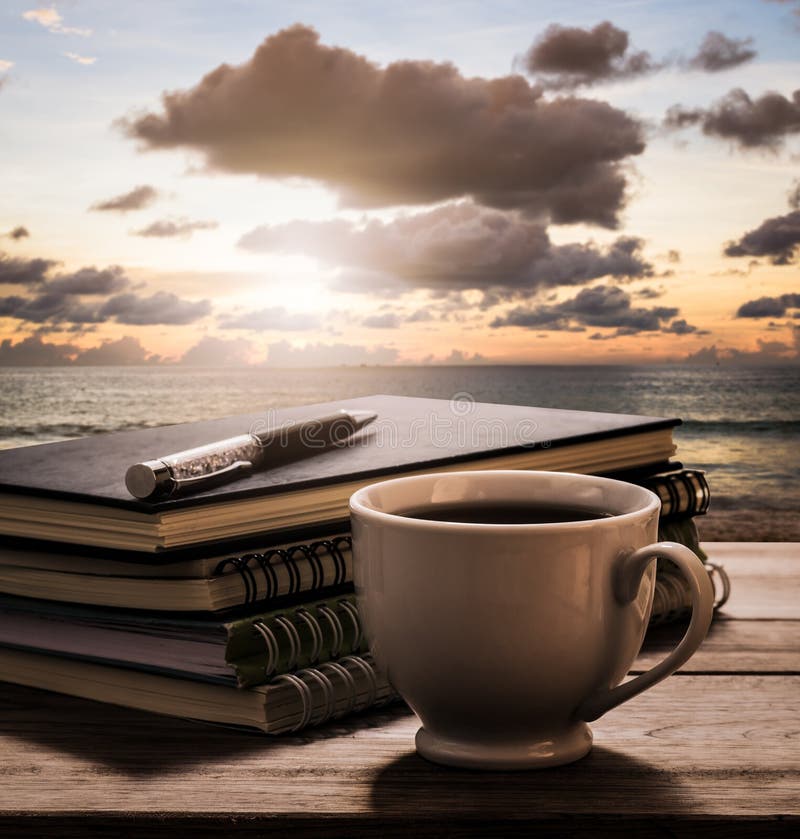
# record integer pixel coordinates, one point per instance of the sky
(315, 183)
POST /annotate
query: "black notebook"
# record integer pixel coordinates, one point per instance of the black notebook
(74, 491)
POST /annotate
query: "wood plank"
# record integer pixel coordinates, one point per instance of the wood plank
(731, 646)
(693, 748)
(765, 579)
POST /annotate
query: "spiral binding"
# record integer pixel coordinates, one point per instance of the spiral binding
(672, 598)
(303, 615)
(310, 556)
(685, 493)
(716, 570)
(321, 678)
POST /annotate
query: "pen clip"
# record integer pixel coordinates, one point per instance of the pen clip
(210, 479)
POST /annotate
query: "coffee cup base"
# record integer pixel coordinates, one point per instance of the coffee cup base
(564, 747)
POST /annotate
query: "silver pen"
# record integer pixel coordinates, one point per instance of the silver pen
(227, 460)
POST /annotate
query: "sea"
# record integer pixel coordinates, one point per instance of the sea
(740, 424)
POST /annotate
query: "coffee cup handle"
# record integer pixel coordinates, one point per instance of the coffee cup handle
(626, 588)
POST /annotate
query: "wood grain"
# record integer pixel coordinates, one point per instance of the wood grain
(765, 579)
(713, 752)
(695, 745)
(731, 646)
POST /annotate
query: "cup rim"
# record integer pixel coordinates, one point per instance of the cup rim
(359, 507)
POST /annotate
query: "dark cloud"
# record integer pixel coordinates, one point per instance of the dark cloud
(681, 327)
(124, 351)
(412, 132)
(181, 227)
(59, 300)
(137, 199)
(778, 238)
(49, 307)
(648, 293)
(719, 52)
(768, 307)
(386, 320)
(452, 248)
(33, 352)
(271, 318)
(218, 352)
(283, 354)
(567, 57)
(90, 281)
(751, 123)
(601, 306)
(14, 271)
(17, 233)
(161, 307)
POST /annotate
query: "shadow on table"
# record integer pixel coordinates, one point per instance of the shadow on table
(606, 782)
(139, 744)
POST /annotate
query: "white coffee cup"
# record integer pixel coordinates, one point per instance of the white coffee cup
(506, 639)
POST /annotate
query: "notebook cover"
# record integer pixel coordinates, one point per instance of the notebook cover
(409, 434)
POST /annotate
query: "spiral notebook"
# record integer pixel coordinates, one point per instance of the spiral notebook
(227, 580)
(243, 651)
(290, 702)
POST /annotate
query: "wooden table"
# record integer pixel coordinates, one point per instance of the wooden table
(713, 751)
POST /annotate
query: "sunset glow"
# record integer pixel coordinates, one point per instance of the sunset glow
(463, 184)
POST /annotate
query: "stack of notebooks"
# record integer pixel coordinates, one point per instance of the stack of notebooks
(235, 605)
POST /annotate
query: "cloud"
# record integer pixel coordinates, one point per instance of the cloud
(272, 318)
(179, 227)
(719, 52)
(386, 320)
(567, 57)
(90, 281)
(777, 238)
(137, 199)
(794, 195)
(768, 352)
(124, 351)
(33, 352)
(681, 327)
(454, 247)
(49, 307)
(60, 300)
(161, 307)
(218, 352)
(768, 307)
(80, 59)
(603, 306)
(283, 354)
(51, 20)
(17, 233)
(751, 123)
(648, 293)
(15, 271)
(412, 132)
(458, 357)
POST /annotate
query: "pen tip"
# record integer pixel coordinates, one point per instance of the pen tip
(362, 418)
